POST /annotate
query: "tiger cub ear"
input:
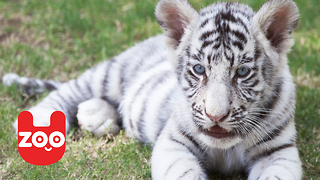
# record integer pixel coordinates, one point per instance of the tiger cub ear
(277, 19)
(174, 16)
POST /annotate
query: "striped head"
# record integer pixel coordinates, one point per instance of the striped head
(231, 62)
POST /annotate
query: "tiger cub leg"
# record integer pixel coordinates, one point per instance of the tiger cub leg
(98, 117)
(174, 156)
(283, 164)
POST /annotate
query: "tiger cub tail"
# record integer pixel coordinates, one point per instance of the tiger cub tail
(30, 86)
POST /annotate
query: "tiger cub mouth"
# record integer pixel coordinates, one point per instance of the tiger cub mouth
(218, 132)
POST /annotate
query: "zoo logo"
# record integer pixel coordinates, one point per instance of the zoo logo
(41, 145)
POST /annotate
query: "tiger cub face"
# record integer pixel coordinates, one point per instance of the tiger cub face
(231, 63)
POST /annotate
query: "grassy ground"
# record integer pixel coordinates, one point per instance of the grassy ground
(59, 39)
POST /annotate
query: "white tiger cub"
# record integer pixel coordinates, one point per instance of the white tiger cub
(216, 97)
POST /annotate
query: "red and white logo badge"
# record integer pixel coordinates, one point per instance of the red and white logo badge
(41, 145)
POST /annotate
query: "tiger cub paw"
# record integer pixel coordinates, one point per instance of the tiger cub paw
(98, 117)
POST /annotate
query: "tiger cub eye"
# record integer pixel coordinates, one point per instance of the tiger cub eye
(243, 71)
(199, 69)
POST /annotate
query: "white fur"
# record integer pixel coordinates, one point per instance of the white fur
(98, 117)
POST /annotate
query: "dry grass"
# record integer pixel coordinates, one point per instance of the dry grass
(309, 80)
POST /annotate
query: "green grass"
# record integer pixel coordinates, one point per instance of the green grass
(59, 39)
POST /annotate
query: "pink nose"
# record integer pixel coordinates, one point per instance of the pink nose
(218, 118)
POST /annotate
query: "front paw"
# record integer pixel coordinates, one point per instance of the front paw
(277, 173)
(98, 117)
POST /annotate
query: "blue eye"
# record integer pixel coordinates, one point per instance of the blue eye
(198, 69)
(243, 71)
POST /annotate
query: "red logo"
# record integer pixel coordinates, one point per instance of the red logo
(41, 145)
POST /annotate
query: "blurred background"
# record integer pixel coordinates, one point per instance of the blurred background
(59, 39)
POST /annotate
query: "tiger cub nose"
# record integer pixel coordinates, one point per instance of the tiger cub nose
(218, 118)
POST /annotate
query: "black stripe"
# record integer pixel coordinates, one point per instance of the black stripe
(74, 92)
(207, 43)
(188, 51)
(190, 138)
(66, 102)
(185, 173)
(240, 36)
(248, 99)
(267, 71)
(180, 67)
(173, 164)
(105, 83)
(140, 123)
(123, 72)
(137, 66)
(273, 163)
(49, 86)
(256, 82)
(238, 44)
(196, 57)
(139, 91)
(194, 108)
(89, 88)
(216, 56)
(228, 16)
(204, 23)
(282, 165)
(198, 122)
(63, 99)
(170, 167)
(181, 143)
(193, 76)
(275, 132)
(230, 58)
(131, 125)
(110, 101)
(164, 113)
(198, 117)
(188, 80)
(209, 58)
(277, 178)
(272, 101)
(285, 159)
(155, 64)
(56, 101)
(217, 45)
(198, 111)
(87, 84)
(251, 77)
(106, 78)
(269, 152)
(135, 96)
(207, 34)
(200, 52)
(80, 90)
(244, 59)
(257, 51)
(191, 95)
